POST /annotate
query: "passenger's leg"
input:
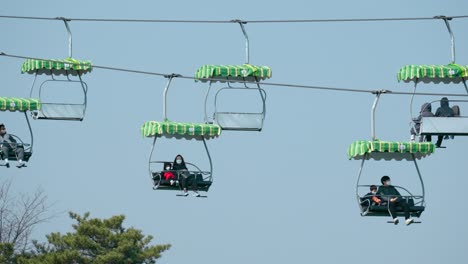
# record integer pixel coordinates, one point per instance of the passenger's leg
(392, 209)
(4, 153)
(20, 153)
(405, 207)
(194, 184)
(182, 181)
(5, 150)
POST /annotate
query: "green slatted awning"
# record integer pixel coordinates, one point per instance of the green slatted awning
(233, 72)
(180, 130)
(389, 150)
(19, 104)
(57, 67)
(451, 73)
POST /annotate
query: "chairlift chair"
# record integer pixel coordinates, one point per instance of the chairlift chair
(72, 70)
(20, 105)
(236, 120)
(239, 120)
(451, 73)
(376, 149)
(176, 130)
(384, 150)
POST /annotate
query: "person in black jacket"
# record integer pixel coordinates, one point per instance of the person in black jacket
(443, 111)
(183, 175)
(390, 194)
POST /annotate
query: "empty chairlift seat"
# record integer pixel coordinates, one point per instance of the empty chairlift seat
(71, 83)
(239, 119)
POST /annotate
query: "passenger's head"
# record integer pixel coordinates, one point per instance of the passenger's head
(179, 159)
(167, 166)
(373, 189)
(426, 107)
(385, 180)
(444, 102)
(2, 129)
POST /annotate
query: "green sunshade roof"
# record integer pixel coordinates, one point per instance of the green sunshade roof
(180, 130)
(19, 104)
(57, 67)
(233, 72)
(389, 150)
(433, 73)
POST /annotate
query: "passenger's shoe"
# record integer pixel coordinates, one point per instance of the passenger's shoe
(185, 193)
(409, 221)
(196, 194)
(7, 165)
(412, 138)
(21, 164)
(396, 221)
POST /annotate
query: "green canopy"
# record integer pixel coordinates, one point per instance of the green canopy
(433, 73)
(389, 150)
(233, 72)
(19, 104)
(180, 130)
(57, 67)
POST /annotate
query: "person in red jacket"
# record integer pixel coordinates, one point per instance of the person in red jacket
(167, 174)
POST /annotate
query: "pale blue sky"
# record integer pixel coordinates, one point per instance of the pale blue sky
(283, 195)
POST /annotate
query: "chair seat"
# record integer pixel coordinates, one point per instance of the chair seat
(240, 121)
(161, 184)
(12, 155)
(378, 208)
(444, 126)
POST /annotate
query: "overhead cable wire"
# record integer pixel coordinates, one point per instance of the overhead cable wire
(175, 75)
(236, 20)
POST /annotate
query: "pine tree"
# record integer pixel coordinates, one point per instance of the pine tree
(95, 241)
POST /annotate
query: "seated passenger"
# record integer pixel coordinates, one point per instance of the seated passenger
(7, 143)
(183, 175)
(443, 111)
(390, 194)
(371, 198)
(426, 111)
(167, 174)
(456, 113)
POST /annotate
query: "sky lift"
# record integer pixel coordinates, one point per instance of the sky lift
(21, 105)
(451, 73)
(176, 130)
(58, 109)
(239, 120)
(384, 150)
